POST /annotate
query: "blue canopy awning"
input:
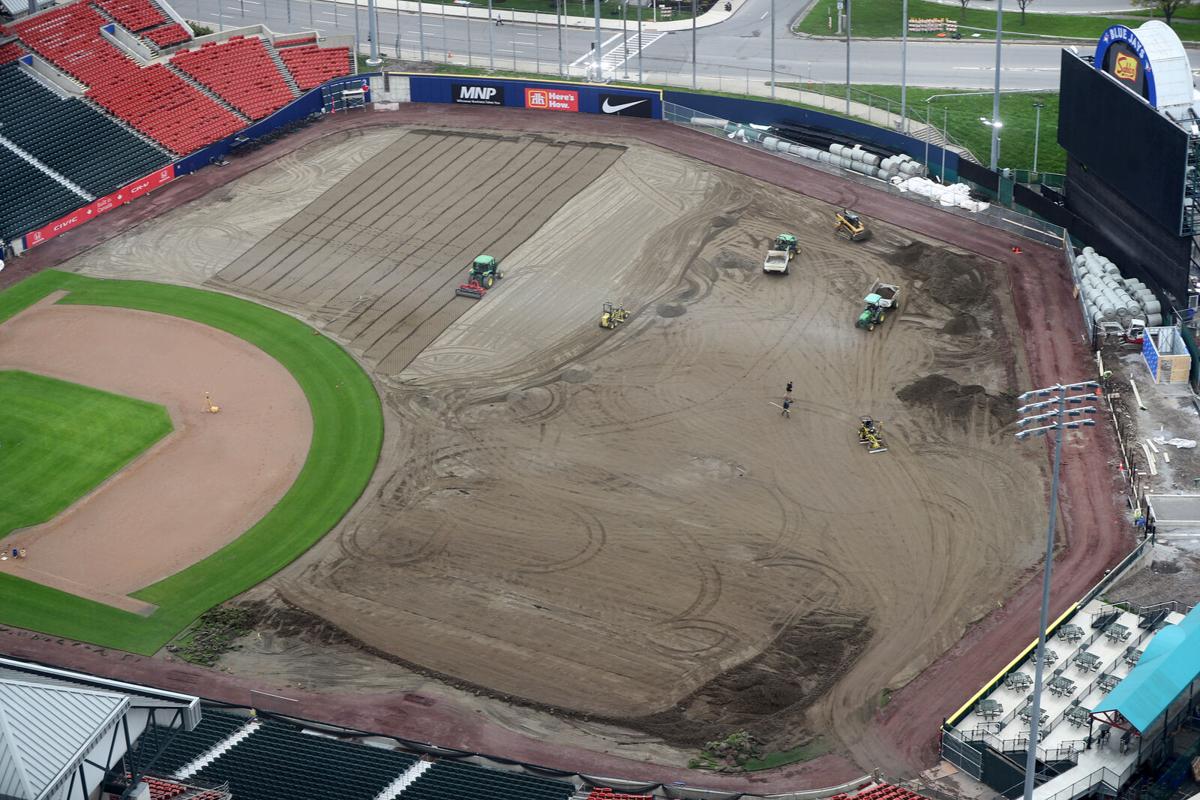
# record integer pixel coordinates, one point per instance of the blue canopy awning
(1167, 667)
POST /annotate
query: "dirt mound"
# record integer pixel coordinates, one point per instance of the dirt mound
(950, 398)
(956, 281)
(961, 324)
(806, 659)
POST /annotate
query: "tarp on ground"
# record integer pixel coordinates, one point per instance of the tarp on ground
(1169, 664)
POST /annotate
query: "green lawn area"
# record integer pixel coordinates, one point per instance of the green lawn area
(962, 120)
(882, 18)
(805, 752)
(60, 440)
(347, 434)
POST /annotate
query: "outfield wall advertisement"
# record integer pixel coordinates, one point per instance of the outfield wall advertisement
(557, 96)
(101, 205)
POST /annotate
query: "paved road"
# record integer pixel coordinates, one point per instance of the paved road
(734, 52)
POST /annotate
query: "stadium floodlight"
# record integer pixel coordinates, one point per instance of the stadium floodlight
(1064, 416)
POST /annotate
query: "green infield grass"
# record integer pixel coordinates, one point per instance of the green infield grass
(60, 440)
(347, 434)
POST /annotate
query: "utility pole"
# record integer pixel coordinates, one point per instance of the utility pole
(847, 58)
(373, 60)
(903, 65)
(491, 40)
(420, 27)
(599, 76)
(1038, 105)
(1064, 411)
(995, 160)
(625, 37)
(558, 6)
(639, 41)
(695, 12)
(773, 48)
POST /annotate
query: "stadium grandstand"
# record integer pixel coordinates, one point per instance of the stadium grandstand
(70, 736)
(96, 94)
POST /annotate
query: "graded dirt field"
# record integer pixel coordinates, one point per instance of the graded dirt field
(193, 492)
(623, 524)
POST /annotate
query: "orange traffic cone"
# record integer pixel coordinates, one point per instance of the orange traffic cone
(1016, 249)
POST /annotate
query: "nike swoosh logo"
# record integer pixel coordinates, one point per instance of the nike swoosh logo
(611, 109)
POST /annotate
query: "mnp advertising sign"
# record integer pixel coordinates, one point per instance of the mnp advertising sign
(478, 94)
(582, 98)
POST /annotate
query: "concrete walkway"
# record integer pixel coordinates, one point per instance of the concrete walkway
(478, 11)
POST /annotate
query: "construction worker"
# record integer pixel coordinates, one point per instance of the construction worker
(789, 387)
(787, 407)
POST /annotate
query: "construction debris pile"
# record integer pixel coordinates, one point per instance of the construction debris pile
(1109, 298)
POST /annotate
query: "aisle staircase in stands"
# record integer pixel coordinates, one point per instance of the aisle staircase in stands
(283, 70)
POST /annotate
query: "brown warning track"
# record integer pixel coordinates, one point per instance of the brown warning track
(902, 739)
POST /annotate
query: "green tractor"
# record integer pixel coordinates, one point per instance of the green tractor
(787, 243)
(485, 271)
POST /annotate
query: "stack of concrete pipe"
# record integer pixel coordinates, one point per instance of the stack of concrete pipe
(852, 158)
(1111, 298)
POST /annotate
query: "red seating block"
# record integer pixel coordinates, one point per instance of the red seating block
(10, 52)
(136, 15)
(167, 35)
(154, 100)
(311, 65)
(241, 71)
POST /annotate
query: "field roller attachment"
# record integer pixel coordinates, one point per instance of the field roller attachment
(474, 289)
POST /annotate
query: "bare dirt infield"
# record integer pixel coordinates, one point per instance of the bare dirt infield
(621, 524)
(359, 690)
(199, 488)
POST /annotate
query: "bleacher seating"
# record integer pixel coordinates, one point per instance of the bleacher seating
(311, 65)
(185, 746)
(154, 100)
(295, 41)
(167, 35)
(448, 780)
(31, 198)
(134, 15)
(279, 762)
(9, 51)
(879, 791)
(241, 71)
(605, 793)
(71, 137)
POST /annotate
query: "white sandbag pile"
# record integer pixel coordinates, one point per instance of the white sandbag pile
(839, 155)
(957, 195)
(1110, 298)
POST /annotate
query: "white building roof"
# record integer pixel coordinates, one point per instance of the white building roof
(46, 732)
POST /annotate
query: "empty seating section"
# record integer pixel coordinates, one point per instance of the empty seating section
(71, 137)
(160, 104)
(450, 781)
(10, 51)
(166, 35)
(605, 793)
(308, 38)
(30, 198)
(184, 747)
(153, 99)
(880, 791)
(135, 15)
(279, 762)
(163, 790)
(311, 65)
(240, 70)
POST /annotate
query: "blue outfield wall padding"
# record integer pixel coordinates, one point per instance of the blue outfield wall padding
(551, 96)
(762, 112)
(311, 102)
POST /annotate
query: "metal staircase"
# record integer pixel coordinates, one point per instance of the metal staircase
(283, 70)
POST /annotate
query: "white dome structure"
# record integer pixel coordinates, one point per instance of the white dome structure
(1151, 61)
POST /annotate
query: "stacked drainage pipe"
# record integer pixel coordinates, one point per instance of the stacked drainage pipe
(1109, 298)
(839, 155)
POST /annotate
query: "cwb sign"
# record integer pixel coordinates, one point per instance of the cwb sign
(562, 96)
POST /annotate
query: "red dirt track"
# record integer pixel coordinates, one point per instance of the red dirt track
(902, 739)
